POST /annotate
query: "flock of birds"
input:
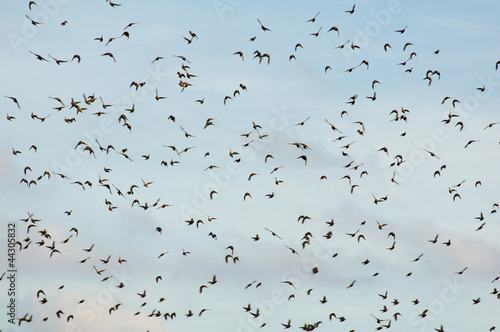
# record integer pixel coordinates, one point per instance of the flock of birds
(345, 132)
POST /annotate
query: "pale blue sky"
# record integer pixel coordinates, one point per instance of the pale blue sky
(278, 97)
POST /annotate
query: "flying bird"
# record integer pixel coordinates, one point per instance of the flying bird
(334, 28)
(110, 55)
(401, 31)
(35, 23)
(14, 99)
(312, 20)
(262, 26)
(352, 10)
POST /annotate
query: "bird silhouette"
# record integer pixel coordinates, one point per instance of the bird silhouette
(262, 26)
